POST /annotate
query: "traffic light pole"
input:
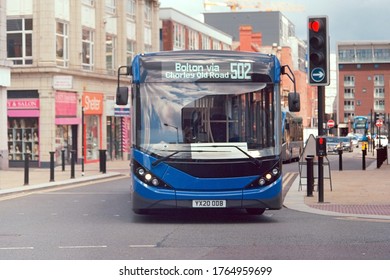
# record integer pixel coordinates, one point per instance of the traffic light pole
(321, 114)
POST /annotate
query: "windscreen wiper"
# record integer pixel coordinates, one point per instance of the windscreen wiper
(165, 158)
(253, 159)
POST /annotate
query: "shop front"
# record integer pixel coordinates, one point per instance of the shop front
(118, 130)
(66, 124)
(92, 106)
(23, 127)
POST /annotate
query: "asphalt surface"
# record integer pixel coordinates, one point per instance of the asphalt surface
(352, 193)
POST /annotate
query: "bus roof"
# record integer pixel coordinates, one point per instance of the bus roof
(205, 66)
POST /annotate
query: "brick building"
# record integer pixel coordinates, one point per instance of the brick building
(182, 32)
(363, 82)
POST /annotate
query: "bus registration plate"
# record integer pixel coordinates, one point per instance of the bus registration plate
(209, 203)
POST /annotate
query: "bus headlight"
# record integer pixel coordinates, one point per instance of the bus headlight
(141, 171)
(155, 182)
(261, 182)
(269, 177)
(148, 177)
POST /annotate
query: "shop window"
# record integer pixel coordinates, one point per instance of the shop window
(92, 137)
(23, 139)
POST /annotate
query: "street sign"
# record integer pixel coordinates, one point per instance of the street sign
(379, 123)
(317, 75)
(330, 123)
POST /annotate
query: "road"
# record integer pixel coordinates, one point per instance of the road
(95, 222)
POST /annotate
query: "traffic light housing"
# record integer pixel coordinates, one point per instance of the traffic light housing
(318, 56)
(321, 146)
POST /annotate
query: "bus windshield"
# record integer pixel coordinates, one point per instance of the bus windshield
(191, 120)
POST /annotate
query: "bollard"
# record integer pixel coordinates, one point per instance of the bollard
(340, 151)
(72, 163)
(82, 165)
(51, 166)
(26, 168)
(381, 156)
(63, 159)
(104, 161)
(364, 159)
(100, 160)
(310, 175)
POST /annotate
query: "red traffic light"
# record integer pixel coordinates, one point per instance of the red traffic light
(315, 25)
(321, 141)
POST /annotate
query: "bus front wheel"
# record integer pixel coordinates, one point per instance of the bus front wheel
(255, 211)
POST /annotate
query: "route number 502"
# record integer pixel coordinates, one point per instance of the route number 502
(240, 70)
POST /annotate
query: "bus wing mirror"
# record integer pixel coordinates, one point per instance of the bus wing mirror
(122, 95)
(294, 102)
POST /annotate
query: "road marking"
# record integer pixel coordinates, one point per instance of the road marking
(83, 247)
(17, 248)
(288, 178)
(142, 246)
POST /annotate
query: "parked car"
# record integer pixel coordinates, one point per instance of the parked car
(355, 141)
(334, 144)
(383, 141)
(346, 143)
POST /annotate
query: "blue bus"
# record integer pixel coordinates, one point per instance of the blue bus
(206, 128)
(360, 125)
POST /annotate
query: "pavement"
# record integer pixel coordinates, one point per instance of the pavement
(354, 193)
(13, 180)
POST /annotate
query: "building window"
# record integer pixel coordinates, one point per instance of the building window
(216, 45)
(148, 38)
(349, 93)
(131, 8)
(179, 36)
(358, 102)
(348, 117)
(110, 6)
(62, 53)
(346, 55)
(382, 54)
(148, 12)
(379, 80)
(349, 105)
(130, 51)
(379, 105)
(19, 40)
(193, 40)
(349, 81)
(89, 2)
(379, 92)
(364, 54)
(88, 49)
(205, 42)
(110, 52)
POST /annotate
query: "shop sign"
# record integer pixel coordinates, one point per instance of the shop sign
(23, 104)
(66, 103)
(93, 103)
(63, 82)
